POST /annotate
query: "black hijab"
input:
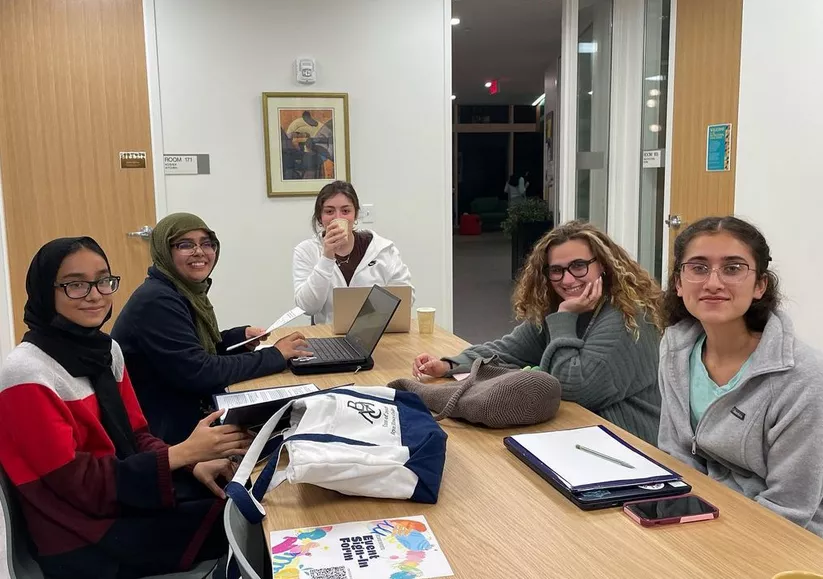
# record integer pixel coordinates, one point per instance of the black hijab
(83, 352)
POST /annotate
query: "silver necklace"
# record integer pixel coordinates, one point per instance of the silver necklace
(343, 261)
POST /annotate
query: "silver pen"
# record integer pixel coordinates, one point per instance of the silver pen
(603, 456)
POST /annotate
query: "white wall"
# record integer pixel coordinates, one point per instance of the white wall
(214, 58)
(6, 318)
(779, 149)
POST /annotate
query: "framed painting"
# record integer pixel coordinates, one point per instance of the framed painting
(307, 141)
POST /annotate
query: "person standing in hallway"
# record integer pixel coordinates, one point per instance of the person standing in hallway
(742, 396)
(591, 317)
(341, 255)
(515, 188)
(170, 337)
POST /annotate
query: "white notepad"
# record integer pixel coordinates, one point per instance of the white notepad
(577, 468)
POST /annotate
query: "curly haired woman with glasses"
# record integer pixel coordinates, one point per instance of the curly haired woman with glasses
(742, 396)
(172, 343)
(591, 318)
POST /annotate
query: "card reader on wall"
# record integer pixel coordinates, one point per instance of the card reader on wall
(305, 70)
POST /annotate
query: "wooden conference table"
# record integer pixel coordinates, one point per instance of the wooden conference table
(495, 518)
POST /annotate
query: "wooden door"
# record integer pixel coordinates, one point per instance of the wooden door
(706, 91)
(73, 95)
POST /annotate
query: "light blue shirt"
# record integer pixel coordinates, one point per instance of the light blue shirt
(702, 389)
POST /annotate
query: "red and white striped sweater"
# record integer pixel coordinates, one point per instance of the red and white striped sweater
(89, 512)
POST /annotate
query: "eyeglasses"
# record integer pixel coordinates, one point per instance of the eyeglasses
(189, 247)
(730, 273)
(77, 290)
(578, 268)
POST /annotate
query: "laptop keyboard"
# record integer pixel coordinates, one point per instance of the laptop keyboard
(332, 349)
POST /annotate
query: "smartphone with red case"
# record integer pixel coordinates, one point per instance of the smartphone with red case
(671, 511)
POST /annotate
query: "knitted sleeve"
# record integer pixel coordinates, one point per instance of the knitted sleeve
(41, 451)
(600, 370)
(523, 347)
(145, 441)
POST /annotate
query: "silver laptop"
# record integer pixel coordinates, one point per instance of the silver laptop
(348, 301)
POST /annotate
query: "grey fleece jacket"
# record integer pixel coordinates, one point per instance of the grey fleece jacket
(763, 439)
(609, 372)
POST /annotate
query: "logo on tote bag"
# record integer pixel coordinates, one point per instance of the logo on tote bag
(366, 410)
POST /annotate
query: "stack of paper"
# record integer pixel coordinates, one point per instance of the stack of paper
(559, 452)
(281, 321)
(254, 407)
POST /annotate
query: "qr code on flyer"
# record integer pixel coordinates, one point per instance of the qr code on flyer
(329, 573)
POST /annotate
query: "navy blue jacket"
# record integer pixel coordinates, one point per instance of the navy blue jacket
(173, 375)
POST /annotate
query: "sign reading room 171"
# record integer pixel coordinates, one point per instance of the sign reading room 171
(180, 164)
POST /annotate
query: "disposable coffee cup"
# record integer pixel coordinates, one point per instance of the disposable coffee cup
(343, 224)
(425, 320)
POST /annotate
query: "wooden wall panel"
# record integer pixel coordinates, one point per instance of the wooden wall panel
(706, 91)
(73, 95)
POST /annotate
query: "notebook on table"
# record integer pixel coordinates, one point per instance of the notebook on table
(352, 352)
(588, 480)
(348, 300)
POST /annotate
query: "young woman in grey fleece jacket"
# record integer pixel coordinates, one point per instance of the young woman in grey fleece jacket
(761, 433)
(592, 318)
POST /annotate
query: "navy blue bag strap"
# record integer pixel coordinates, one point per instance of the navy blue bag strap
(249, 503)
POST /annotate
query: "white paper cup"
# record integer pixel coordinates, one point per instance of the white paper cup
(343, 224)
(425, 320)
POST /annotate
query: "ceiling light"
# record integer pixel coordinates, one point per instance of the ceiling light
(655, 128)
(654, 92)
(455, 21)
(591, 92)
(587, 47)
(656, 77)
(539, 100)
(488, 84)
(454, 97)
(651, 103)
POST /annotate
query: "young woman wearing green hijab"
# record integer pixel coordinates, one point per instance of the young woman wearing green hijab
(174, 349)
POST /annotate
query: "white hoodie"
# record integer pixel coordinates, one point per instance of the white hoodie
(315, 276)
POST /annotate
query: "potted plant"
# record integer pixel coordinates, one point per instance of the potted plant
(526, 222)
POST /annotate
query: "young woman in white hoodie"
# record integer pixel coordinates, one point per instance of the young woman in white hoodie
(340, 256)
(742, 396)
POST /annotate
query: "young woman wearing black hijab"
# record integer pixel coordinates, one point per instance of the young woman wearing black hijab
(101, 496)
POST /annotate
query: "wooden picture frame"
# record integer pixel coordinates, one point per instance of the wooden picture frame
(306, 141)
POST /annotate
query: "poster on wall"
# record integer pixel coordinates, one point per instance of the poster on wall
(719, 147)
(306, 141)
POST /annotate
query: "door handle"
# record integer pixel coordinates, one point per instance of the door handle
(144, 232)
(674, 221)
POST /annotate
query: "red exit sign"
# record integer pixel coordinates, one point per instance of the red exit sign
(494, 88)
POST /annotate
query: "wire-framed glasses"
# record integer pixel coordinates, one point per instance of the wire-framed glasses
(728, 273)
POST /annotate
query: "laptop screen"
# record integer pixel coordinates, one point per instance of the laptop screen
(372, 319)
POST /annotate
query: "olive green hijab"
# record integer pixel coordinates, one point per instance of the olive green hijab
(168, 230)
